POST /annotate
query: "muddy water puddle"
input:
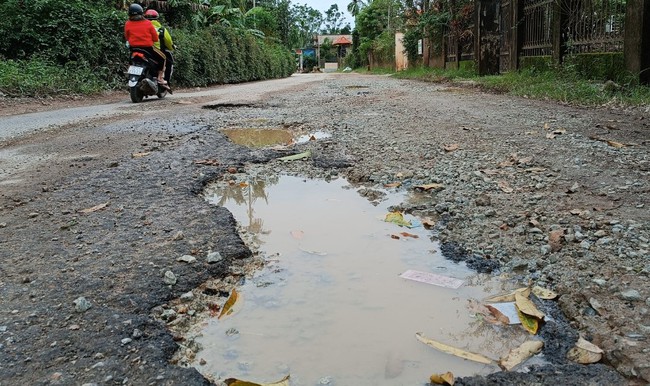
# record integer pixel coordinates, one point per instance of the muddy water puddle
(330, 307)
(264, 137)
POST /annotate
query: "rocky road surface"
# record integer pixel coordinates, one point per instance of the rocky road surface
(102, 213)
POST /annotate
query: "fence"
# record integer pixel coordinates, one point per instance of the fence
(555, 29)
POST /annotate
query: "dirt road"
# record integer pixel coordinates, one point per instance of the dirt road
(98, 206)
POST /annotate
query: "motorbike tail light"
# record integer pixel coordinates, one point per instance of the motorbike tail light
(139, 55)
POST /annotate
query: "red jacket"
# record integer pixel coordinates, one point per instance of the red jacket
(140, 33)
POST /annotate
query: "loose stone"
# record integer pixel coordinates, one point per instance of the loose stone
(81, 304)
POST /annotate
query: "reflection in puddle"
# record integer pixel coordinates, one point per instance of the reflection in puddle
(259, 137)
(256, 137)
(330, 307)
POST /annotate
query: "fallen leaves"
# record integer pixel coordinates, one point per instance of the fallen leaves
(526, 306)
(398, 218)
(140, 155)
(453, 350)
(94, 208)
(544, 293)
(488, 313)
(296, 157)
(442, 379)
(209, 162)
(237, 382)
(428, 187)
(227, 308)
(585, 352)
(520, 354)
(451, 147)
(614, 144)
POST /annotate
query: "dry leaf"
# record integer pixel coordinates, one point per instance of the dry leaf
(140, 155)
(585, 352)
(428, 224)
(236, 382)
(525, 160)
(453, 350)
(529, 323)
(490, 172)
(544, 293)
(392, 185)
(394, 237)
(451, 147)
(505, 187)
(526, 306)
(94, 208)
(555, 239)
(211, 162)
(498, 315)
(520, 354)
(296, 157)
(442, 379)
(509, 297)
(429, 187)
(227, 308)
(406, 234)
(615, 144)
(550, 135)
(398, 218)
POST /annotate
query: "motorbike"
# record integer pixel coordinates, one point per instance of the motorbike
(143, 78)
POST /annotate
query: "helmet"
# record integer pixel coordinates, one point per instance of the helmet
(135, 9)
(151, 14)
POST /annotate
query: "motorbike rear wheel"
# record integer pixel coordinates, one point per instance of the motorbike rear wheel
(136, 94)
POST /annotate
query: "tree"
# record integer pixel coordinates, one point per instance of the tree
(306, 22)
(355, 6)
(333, 20)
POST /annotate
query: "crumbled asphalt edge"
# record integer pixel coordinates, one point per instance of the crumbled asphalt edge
(123, 252)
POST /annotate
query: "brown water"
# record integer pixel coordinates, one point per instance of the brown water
(330, 307)
(264, 137)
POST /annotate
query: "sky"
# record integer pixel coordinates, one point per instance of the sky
(323, 5)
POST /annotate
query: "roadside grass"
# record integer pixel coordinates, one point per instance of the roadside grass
(562, 85)
(37, 78)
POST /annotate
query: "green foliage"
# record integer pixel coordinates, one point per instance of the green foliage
(219, 54)
(410, 41)
(59, 32)
(37, 78)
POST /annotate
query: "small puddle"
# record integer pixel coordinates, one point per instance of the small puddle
(330, 307)
(256, 137)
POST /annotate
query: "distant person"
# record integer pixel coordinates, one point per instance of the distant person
(164, 43)
(140, 33)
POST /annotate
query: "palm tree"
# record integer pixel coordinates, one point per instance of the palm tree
(355, 6)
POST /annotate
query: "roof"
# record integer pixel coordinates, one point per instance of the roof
(321, 38)
(341, 40)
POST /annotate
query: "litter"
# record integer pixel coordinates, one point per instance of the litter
(432, 278)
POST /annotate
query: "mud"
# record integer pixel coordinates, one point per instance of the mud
(522, 170)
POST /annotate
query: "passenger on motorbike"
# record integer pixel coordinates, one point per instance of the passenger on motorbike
(164, 43)
(140, 33)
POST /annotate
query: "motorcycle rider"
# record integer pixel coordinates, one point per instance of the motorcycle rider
(140, 33)
(165, 42)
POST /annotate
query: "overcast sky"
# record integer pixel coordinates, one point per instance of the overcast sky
(324, 5)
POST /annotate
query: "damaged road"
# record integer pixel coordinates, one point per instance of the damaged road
(96, 215)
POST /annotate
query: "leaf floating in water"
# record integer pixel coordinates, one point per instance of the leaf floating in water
(442, 379)
(585, 352)
(544, 293)
(398, 218)
(520, 354)
(453, 350)
(227, 308)
(236, 382)
(296, 157)
(406, 234)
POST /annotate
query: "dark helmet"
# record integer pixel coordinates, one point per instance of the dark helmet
(151, 14)
(135, 9)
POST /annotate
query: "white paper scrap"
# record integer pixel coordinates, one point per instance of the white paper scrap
(432, 278)
(509, 310)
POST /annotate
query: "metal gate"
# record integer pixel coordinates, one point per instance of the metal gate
(505, 34)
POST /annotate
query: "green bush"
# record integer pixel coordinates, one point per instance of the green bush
(220, 54)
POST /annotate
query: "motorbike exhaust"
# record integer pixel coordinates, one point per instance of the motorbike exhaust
(149, 87)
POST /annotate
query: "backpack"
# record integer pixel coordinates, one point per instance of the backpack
(161, 39)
